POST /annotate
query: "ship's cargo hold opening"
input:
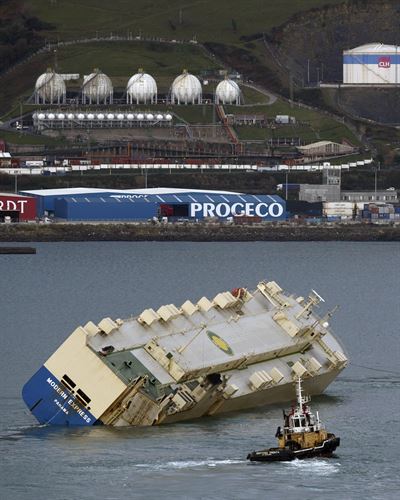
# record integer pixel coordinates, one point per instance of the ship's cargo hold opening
(214, 378)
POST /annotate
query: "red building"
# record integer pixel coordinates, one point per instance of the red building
(19, 208)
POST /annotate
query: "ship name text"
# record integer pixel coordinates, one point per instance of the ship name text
(70, 401)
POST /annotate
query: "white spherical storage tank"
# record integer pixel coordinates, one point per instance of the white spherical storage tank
(372, 64)
(97, 88)
(50, 88)
(186, 89)
(227, 92)
(141, 88)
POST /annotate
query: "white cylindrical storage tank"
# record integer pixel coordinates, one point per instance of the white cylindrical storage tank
(168, 117)
(150, 116)
(60, 116)
(141, 88)
(50, 88)
(373, 64)
(120, 116)
(159, 117)
(110, 116)
(81, 116)
(51, 116)
(41, 116)
(227, 92)
(140, 116)
(70, 116)
(90, 116)
(97, 88)
(186, 89)
(100, 116)
(130, 116)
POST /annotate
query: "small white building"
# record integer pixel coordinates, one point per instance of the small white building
(325, 148)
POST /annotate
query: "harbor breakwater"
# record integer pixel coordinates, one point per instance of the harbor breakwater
(197, 232)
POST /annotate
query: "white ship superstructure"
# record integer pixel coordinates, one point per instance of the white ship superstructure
(238, 350)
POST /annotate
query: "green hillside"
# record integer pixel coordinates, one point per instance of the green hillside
(230, 23)
(209, 20)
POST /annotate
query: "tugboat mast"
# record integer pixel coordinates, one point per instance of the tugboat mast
(299, 394)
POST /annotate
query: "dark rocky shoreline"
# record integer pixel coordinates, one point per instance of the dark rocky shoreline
(197, 232)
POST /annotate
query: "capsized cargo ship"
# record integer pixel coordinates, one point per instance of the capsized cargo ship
(239, 350)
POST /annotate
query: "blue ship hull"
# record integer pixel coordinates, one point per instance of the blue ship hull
(51, 403)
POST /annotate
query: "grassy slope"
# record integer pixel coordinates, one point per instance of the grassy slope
(311, 125)
(209, 20)
(124, 58)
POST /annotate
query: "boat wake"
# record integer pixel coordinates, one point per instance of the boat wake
(190, 464)
(316, 466)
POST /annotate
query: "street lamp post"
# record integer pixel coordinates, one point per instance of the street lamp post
(286, 183)
(376, 168)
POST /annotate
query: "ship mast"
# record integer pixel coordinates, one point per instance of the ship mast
(299, 395)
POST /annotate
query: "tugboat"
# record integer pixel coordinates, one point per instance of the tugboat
(303, 435)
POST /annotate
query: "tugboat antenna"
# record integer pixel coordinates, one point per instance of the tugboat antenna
(299, 395)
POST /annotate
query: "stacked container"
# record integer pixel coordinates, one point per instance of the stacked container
(334, 210)
(380, 212)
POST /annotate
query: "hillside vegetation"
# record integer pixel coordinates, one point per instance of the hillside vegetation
(19, 32)
(225, 21)
(230, 29)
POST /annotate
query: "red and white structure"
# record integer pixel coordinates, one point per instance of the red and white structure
(19, 208)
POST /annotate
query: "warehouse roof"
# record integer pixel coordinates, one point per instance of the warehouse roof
(66, 191)
(14, 195)
(146, 191)
(184, 198)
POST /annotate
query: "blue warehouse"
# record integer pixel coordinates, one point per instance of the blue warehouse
(76, 204)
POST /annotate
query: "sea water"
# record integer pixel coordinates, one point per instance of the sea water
(45, 296)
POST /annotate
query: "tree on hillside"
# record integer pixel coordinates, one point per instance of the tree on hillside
(19, 32)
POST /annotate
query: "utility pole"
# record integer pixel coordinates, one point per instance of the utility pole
(20, 117)
(291, 89)
(286, 184)
(376, 168)
(55, 60)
